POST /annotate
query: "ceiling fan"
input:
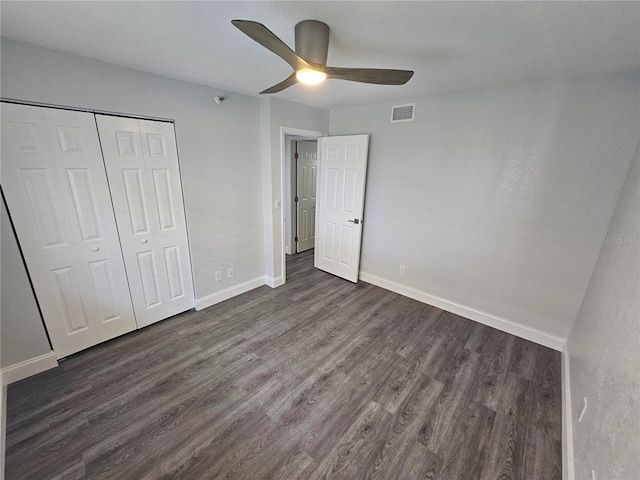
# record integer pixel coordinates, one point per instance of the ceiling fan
(309, 61)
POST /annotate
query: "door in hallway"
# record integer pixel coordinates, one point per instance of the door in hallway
(306, 168)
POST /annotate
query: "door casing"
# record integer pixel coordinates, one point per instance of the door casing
(287, 134)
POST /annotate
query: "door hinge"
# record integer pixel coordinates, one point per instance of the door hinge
(295, 199)
(295, 155)
(296, 239)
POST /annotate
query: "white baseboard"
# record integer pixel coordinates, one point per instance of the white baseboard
(11, 374)
(274, 282)
(568, 467)
(30, 367)
(228, 293)
(3, 423)
(517, 329)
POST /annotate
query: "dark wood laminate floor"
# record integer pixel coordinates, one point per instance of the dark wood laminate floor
(317, 379)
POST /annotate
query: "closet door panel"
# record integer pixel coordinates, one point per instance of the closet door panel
(78, 156)
(57, 193)
(161, 158)
(142, 167)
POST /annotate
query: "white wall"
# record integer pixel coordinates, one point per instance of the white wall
(22, 335)
(497, 200)
(230, 155)
(218, 147)
(274, 114)
(604, 349)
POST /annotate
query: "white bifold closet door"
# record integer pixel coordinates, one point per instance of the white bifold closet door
(142, 168)
(54, 182)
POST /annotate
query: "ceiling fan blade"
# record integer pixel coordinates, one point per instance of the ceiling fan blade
(290, 80)
(380, 76)
(270, 40)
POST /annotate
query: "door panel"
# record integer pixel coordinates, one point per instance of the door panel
(307, 169)
(164, 199)
(142, 167)
(56, 190)
(343, 166)
(174, 271)
(70, 299)
(346, 245)
(149, 278)
(45, 205)
(84, 203)
(135, 200)
(106, 288)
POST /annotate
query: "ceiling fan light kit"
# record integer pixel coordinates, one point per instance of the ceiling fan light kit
(309, 61)
(310, 77)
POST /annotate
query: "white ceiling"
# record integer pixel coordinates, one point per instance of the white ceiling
(452, 46)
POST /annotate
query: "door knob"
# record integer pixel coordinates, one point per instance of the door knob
(95, 249)
(144, 240)
(355, 220)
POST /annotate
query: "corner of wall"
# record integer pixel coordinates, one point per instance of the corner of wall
(267, 193)
(28, 368)
(274, 282)
(227, 293)
(502, 324)
(568, 471)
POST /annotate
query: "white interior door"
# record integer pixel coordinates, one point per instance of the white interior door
(341, 186)
(306, 172)
(142, 167)
(56, 189)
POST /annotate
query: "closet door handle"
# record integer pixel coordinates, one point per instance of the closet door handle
(95, 249)
(144, 240)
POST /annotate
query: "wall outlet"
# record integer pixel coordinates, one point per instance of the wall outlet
(584, 409)
(231, 272)
(218, 275)
(402, 270)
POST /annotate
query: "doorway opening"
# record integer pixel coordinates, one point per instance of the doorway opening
(291, 143)
(300, 195)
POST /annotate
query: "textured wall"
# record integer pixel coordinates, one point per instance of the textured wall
(498, 199)
(604, 349)
(22, 335)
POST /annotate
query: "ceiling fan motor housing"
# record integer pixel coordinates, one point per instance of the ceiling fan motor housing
(312, 41)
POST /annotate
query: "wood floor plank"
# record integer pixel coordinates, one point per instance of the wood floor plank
(468, 443)
(402, 456)
(440, 427)
(359, 446)
(319, 378)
